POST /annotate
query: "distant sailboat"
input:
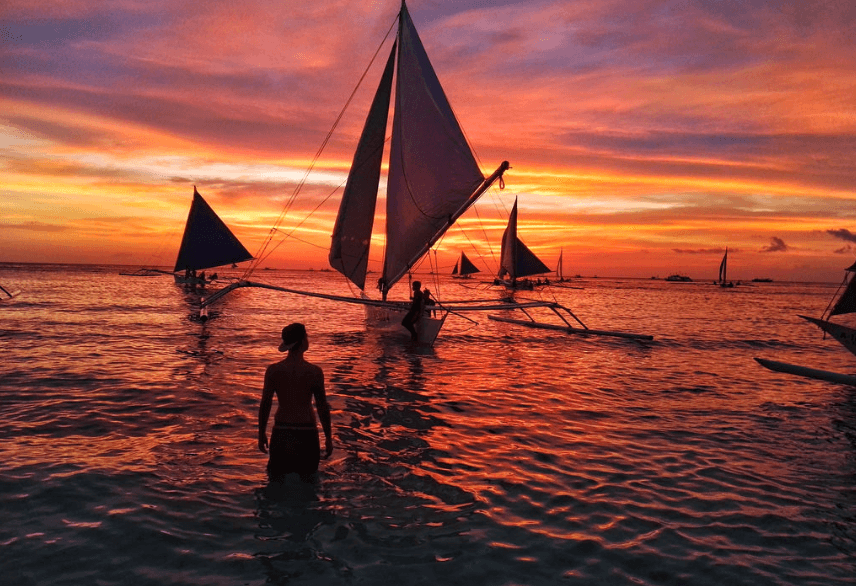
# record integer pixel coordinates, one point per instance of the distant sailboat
(516, 260)
(560, 277)
(723, 269)
(466, 269)
(207, 243)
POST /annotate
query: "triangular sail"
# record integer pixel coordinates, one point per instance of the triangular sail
(559, 273)
(846, 303)
(455, 270)
(723, 266)
(207, 241)
(508, 251)
(432, 171)
(516, 260)
(349, 250)
(527, 263)
(467, 266)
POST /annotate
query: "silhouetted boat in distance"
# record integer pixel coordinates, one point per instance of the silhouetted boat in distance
(207, 243)
(723, 269)
(678, 279)
(464, 268)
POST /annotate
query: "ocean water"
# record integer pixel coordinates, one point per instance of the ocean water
(501, 456)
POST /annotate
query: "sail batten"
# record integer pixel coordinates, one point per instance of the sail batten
(351, 240)
(432, 172)
(207, 241)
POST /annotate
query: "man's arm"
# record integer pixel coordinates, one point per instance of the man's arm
(264, 411)
(323, 412)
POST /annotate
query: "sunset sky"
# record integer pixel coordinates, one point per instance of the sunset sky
(644, 137)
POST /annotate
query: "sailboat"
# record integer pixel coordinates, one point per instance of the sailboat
(517, 262)
(723, 269)
(433, 179)
(842, 303)
(207, 243)
(560, 277)
(467, 268)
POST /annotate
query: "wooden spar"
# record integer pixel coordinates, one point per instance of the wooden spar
(372, 302)
(11, 294)
(569, 329)
(825, 375)
(454, 309)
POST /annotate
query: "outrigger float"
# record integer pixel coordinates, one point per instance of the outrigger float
(815, 373)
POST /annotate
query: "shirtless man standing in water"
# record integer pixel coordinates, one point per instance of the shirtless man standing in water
(294, 443)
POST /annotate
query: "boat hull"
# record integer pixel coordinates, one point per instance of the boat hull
(385, 318)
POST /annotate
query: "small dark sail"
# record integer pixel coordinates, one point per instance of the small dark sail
(516, 260)
(455, 270)
(527, 263)
(723, 267)
(207, 241)
(467, 267)
(846, 303)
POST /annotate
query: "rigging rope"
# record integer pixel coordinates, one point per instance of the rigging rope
(261, 254)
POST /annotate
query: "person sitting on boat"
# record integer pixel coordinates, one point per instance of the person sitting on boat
(294, 445)
(415, 312)
(428, 300)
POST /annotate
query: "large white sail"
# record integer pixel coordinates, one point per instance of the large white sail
(432, 171)
(349, 249)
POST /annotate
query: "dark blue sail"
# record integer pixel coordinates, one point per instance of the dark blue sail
(207, 241)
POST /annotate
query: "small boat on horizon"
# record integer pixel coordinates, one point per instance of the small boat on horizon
(676, 278)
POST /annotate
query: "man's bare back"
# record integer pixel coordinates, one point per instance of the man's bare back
(295, 382)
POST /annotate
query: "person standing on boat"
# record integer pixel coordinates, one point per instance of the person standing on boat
(294, 445)
(415, 311)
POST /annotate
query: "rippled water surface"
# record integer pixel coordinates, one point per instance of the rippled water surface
(501, 456)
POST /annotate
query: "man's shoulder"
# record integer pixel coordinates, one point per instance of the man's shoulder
(315, 368)
(279, 365)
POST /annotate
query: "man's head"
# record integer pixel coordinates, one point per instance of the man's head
(292, 336)
(417, 285)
